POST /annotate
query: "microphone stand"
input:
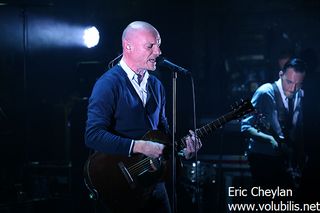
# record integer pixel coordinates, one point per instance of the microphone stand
(175, 69)
(174, 122)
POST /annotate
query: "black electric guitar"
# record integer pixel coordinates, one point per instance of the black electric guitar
(285, 150)
(124, 183)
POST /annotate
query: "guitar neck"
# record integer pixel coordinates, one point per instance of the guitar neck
(237, 112)
(210, 127)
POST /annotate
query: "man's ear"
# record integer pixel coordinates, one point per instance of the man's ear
(127, 45)
(281, 73)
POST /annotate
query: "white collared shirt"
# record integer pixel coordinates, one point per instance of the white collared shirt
(140, 89)
(133, 77)
(297, 99)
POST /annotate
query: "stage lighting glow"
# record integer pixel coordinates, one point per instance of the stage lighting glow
(91, 37)
(50, 33)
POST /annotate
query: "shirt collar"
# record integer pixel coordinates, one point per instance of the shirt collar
(131, 74)
(279, 85)
(284, 98)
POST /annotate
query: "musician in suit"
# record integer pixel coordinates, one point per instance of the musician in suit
(275, 137)
(127, 102)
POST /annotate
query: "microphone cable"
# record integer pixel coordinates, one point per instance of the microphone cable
(111, 63)
(195, 143)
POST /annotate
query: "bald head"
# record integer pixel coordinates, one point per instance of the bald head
(137, 26)
(140, 46)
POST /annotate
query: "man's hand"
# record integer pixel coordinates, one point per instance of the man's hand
(148, 148)
(273, 142)
(193, 144)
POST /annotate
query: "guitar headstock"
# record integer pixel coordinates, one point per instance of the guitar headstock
(241, 108)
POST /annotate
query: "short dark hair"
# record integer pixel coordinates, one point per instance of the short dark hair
(297, 64)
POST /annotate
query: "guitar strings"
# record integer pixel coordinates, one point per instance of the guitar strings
(138, 165)
(144, 164)
(136, 168)
(141, 169)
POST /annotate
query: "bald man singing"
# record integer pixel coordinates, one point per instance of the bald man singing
(126, 103)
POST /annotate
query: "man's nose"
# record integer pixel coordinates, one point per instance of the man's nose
(293, 87)
(157, 51)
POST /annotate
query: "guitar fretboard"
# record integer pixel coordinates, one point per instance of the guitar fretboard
(241, 109)
(210, 127)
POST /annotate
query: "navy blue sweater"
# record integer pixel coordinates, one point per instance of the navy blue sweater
(116, 114)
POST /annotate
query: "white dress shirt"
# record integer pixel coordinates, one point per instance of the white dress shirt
(141, 88)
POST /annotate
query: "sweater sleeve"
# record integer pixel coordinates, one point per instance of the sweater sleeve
(263, 102)
(101, 109)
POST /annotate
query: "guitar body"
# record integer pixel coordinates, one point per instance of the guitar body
(289, 160)
(285, 151)
(122, 183)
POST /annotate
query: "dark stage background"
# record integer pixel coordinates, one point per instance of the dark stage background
(231, 47)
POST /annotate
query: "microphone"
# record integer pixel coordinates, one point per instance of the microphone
(166, 63)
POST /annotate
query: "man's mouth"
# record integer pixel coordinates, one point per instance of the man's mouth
(152, 60)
